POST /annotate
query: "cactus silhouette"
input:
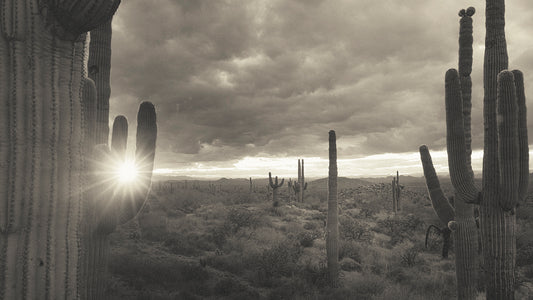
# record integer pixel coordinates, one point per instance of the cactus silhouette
(332, 238)
(300, 186)
(396, 190)
(505, 159)
(42, 54)
(110, 203)
(275, 186)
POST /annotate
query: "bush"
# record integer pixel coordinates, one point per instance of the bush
(348, 264)
(409, 257)
(169, 274)
(240, 218)
(524, 255)
(316, 275)
(279, 260)
(190, 245)
(349, 250)
(351, 229)
(306, 238)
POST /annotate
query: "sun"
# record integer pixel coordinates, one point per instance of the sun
(126, 172)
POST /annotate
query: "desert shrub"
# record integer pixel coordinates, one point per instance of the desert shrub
(350, 250)
(238, 218)
(227, 286)
(292, 288)
(306, 238)
(315, 274)
(528, 271)
(233, 263)
(310, 226)
(399, 228)
(364, 287)
(170, 274)
(367, 212)
(348, 264)
(279, 260)
(524, 255)
(351, 229)
(409, 257)
(188, 244)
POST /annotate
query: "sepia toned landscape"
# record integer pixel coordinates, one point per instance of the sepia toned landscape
(250, 149)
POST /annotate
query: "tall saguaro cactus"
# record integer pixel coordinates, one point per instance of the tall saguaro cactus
(42, 53)
(332, 238)
(506, 157)
(301, 185)
(275, 186)
(396, 190)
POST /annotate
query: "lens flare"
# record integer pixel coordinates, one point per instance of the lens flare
(126, 172)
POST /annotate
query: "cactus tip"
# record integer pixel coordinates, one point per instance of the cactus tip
(451, 74)
(505, 75)
(462, 13)
(470, 11)
(452, 225)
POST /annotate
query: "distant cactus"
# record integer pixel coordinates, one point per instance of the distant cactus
(332, 229)
(42, 150)
(506, 153)
(275, 186)
(300, 186)
(396, 190)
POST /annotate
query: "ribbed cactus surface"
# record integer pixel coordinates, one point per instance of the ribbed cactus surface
(42, 150)
(506, 153)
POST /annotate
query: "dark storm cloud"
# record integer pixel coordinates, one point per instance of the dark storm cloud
(244, 78)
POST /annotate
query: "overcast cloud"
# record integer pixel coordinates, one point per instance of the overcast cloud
(249, 78)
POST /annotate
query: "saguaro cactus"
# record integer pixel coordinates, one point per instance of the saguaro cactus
(275, 186)
(506, 157)
(396, 190)
(42, 53)
(332, 238)
(111, 203)
(301, 185)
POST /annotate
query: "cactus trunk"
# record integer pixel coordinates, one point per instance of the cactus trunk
(332, 239)
(42, 154)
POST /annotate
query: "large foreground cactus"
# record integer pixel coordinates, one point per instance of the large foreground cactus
(42, 54)
(506, 157)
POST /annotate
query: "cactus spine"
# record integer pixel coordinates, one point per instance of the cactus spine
(332, 238)
(275, 186)
(42, 155)
(506, 157)
(396, 189)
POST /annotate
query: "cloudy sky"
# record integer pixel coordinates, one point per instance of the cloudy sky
(244, 87)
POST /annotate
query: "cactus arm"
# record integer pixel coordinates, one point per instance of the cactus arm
(99, 68)
(270, 179)
(427, 233)
(460, 173)
(332, 238)
(522, 136)
(144, 159)
(495, 60)
(465, 69)
(281, 184)
(69, 19)
(508, 146)
(440, 204)
(119, 137)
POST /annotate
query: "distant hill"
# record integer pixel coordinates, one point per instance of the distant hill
(342, 183)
